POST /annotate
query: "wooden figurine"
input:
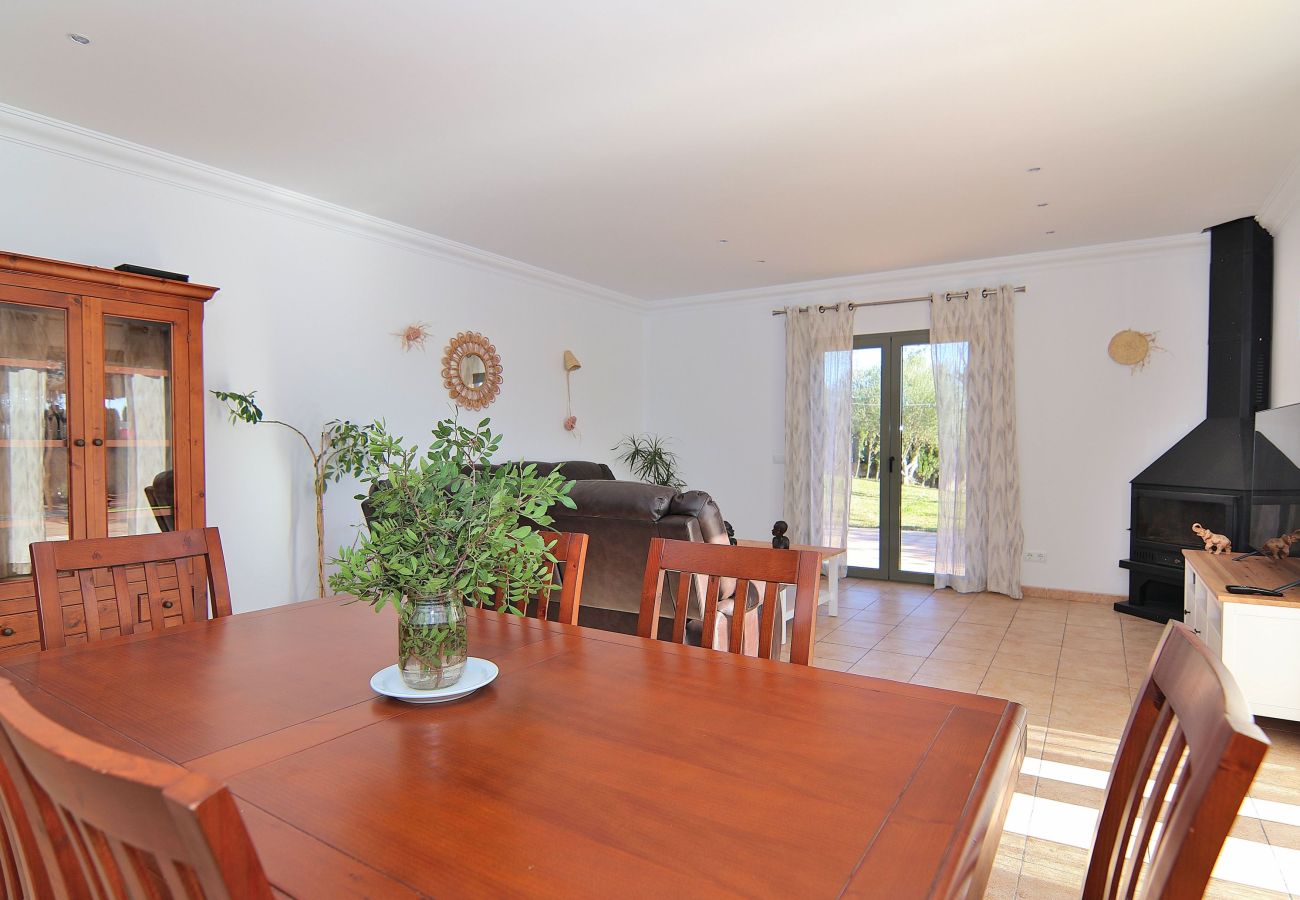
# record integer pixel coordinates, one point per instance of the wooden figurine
(1279, 548)
(1215, 543)
(779, 540)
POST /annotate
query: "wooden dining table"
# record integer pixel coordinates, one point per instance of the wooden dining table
(596, 764)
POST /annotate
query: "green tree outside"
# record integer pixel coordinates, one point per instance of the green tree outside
(920, 450)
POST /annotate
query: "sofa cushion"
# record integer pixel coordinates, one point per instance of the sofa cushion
(627, 500)
(700, 505)
(575, 469)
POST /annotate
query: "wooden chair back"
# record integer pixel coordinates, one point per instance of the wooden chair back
(104, 823)
(565, 585)
(570, 550)
(800, 568)
(1191, 709)
(22, 872)
(142, 571)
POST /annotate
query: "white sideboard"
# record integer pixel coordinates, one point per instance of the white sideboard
(1258, 638)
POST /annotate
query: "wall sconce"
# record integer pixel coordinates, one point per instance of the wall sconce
(571, 365)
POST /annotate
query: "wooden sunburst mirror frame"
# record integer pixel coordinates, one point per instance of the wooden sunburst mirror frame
(466, 352)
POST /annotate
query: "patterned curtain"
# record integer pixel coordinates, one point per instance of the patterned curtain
(979, 534)
(24, 511)
(146, 404)
(818, 411)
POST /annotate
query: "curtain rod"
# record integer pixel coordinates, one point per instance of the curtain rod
(1019, 289)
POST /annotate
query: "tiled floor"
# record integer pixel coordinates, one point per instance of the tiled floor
(1076, 667)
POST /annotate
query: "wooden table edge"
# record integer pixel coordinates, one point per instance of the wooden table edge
(986, 811)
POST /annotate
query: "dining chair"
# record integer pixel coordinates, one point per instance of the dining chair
(22, 874)
(722, 562)
(141, 570)
(100, 822)
(569, 550)
(1190, 708)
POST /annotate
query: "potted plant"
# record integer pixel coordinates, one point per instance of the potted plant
(649, 458)
(446, 528)
(337, 454)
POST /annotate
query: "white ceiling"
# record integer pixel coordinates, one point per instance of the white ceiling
(618, 141)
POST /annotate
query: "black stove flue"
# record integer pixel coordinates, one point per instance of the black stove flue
(1206, 476)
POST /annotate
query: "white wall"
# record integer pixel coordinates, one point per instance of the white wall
(310, 296)
(1282, 218)
(305, 316)
(1086, 425)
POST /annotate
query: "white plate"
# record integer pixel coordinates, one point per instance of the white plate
(478, 672)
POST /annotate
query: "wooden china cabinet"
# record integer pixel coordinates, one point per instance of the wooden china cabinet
(101, 417)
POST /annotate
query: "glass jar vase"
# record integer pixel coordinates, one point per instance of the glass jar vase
(431, 641)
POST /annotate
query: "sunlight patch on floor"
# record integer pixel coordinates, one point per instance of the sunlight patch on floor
(1243, 862)
(1080, 775)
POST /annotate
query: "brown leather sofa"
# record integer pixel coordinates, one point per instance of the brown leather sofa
(620, 518)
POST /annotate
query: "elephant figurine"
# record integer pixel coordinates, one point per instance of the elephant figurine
(1215, 543)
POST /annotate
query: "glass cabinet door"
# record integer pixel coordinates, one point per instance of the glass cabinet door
(138, 426)
(35, 471)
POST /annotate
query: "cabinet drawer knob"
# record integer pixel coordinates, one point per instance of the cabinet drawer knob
(98, 442)
(7, 631)
(79, 442)
(167, 604)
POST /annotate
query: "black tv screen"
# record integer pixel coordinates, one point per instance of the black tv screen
(1275, 490)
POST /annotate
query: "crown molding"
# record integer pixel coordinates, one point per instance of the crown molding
(923, 279)
(29, 129)
(1283, 201)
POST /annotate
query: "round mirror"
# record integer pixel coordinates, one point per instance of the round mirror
(471, 370)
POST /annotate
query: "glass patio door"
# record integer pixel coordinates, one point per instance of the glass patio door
(894, 510)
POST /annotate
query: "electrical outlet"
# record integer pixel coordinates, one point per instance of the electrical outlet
(1034, 556)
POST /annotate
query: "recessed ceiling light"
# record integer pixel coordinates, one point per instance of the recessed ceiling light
(1041, 205)
(1049, 232)
(78, 38)
(723, 241)
(760, 260)
(1034, 169)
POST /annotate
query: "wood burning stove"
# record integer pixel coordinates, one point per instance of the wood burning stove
(1206, 476)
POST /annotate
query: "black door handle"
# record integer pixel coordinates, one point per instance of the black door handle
(891, 465)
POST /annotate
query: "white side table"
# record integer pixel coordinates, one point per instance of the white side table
(1255, 636)
(831, 564)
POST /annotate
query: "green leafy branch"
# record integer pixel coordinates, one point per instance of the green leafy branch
(447, 521)
(341, 451)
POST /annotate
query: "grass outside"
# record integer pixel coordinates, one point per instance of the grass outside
(920, 506)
